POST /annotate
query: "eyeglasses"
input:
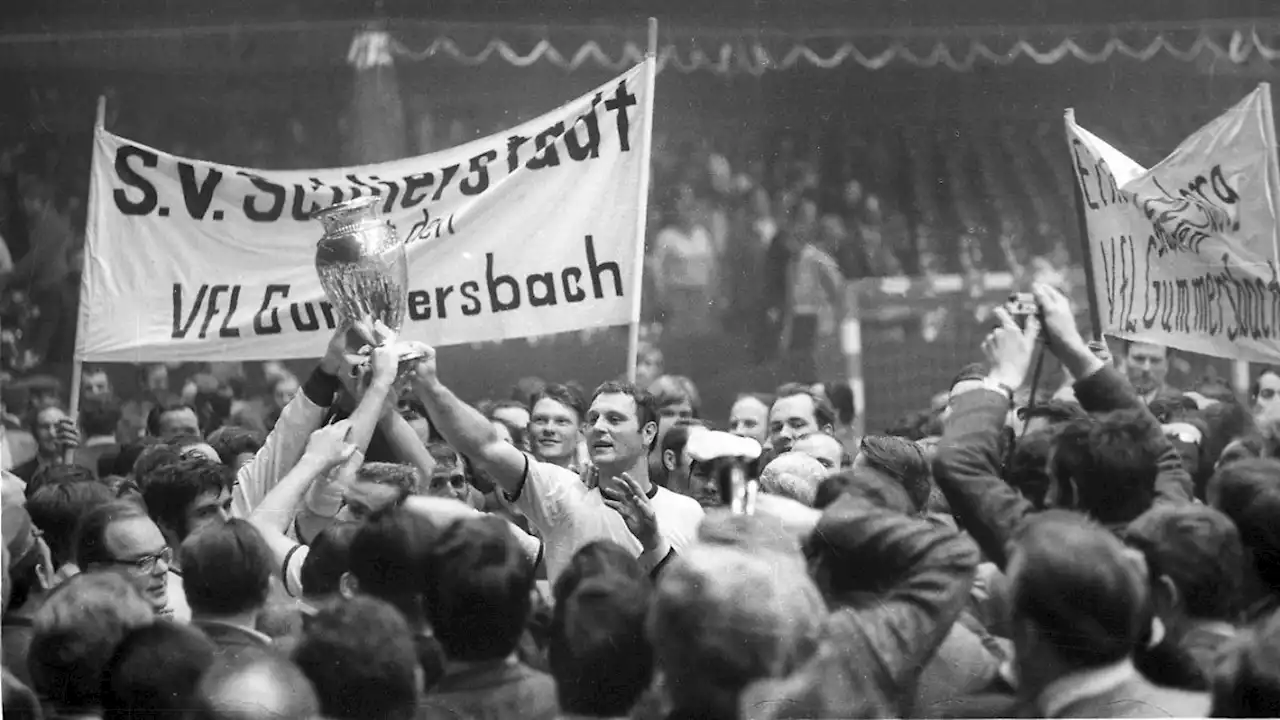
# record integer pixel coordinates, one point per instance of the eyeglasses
(146, 564)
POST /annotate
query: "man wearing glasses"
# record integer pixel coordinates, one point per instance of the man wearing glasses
(121, 536)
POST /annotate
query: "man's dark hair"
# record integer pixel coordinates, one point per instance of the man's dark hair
(646, 408)
(360, 658)
(1199, 549)
(57, 509)
(1128, 344)
(230, 441)
(152, 458)
(99, 416)
(670, 390)
(1108, 464)
(155, 671)
(599, 654)
(77, 630)
(328, 558)
(1246, 681)
(1028, 468)
(478, 592)
(916, 426)
(876, 488)
(389, 557)
(565, 395)
(157, 411)
(59, 474)
(170, 489)
(1078, 588)
(122, 464)
(1172, 409)
(401, 476)
(90, 537)
(1055, 411)
(226, 569)
(823, 412)
(1260, 535)
(841, 397)
(600, 557)
(972, 371)
(677, 437)
(902, 460)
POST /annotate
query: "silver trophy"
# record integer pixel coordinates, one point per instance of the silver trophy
(364, 271)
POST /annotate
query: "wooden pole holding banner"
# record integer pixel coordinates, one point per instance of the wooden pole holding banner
(1082, 226)
(77, 364)
(642, 198)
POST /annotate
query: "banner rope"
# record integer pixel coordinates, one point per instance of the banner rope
(756, 59)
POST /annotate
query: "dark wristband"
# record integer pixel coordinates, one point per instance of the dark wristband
(321, 387)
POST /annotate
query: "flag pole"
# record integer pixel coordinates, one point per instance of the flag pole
(1082, 227)
(77, 363)
(642, 197)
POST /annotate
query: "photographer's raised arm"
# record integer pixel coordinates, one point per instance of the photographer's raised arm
(468, 431)
(1100, 388)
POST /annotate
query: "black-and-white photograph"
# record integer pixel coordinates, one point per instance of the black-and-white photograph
(639, 359)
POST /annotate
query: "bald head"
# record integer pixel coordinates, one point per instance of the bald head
(264, 688)
(794, 475)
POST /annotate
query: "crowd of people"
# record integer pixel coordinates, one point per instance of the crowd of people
(375, 547)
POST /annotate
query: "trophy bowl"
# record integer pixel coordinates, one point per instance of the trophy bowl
(363, 269)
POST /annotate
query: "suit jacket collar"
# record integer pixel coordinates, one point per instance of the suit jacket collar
(225, 634)
(1074, 687)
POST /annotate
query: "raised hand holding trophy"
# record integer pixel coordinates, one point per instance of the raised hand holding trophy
(364, 271)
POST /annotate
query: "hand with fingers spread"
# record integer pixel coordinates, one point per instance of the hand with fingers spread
(630, 501)
(1009, 349)
(329, 446)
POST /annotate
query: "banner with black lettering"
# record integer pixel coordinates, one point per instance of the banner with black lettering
(1187, 253)
(529, 232)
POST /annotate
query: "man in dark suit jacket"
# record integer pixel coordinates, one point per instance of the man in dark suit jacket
(1079, 597)
(226, 574)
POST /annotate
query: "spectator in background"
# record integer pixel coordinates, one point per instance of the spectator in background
(600, 657)
(358, 654)
(57, 508)
(265, 687)
(30, 575)
(95, 383)
(155, 671)
(227, 571)
(478, 599)
(100, 417)
(121, 536)
(76, 633)
(650, 364)
(749, 417)
(234, 445)
(172, 418)
(793, 475)
(555, 434)
(815, 303)
(154, 387)
(55, 433)
(684, 266)
(824, 448)
(1246, 681)
(898, 460)
(676, 463)
(1147, 366)
(1265, 396)
(796, 412)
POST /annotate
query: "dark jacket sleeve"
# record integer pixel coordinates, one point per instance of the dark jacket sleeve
(877, 643)
(967, 470)
(1108, 390)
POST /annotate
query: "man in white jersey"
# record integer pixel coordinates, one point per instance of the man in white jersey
(621, 426)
